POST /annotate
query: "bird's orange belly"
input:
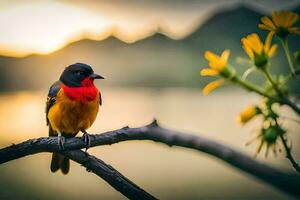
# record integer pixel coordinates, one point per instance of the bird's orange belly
(70, 116)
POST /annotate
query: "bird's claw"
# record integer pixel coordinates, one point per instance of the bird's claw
(61, 142)
(87, 140)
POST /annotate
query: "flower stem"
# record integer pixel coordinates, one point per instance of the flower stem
(274, 85)
(283, 99)
(285, 46)
(250, 87)
(289, 153)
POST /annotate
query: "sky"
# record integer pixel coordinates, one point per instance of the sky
(44, 26)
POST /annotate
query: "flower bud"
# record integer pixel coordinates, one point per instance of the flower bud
(270, 134)
(260, 60)
(247, 114)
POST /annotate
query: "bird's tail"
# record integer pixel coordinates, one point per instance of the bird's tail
(60, 162)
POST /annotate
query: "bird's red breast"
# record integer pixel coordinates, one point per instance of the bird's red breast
(76, 108)
(87, 92)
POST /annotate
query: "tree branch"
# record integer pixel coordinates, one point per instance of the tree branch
(284, 181)
(109, 174)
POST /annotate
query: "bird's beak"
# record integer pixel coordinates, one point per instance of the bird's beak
(96, 76)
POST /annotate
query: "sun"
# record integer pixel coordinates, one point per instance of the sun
(44, 27)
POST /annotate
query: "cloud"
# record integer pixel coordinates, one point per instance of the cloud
(45, 26)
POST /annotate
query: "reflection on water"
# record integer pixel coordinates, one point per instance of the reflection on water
(168, 173)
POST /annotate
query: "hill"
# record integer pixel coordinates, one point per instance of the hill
(156, 61)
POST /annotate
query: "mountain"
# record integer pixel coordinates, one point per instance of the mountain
(226, 28)
(156, 61)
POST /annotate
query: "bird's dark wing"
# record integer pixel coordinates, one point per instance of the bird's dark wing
(100, 99)
(51, 99)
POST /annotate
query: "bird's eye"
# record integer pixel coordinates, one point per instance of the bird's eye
(80, 73)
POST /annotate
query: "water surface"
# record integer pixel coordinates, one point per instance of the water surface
(167, 173)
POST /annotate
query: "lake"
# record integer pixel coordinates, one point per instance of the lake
(166, 172)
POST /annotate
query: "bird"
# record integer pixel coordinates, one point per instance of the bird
(72, 106)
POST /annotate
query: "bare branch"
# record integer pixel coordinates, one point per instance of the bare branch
(109, 174)
(289, 154)
(287, 182)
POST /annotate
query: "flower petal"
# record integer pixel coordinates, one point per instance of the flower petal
(255, 43)
(209, 72)
(268, 22)
(283, 15)
(294, 30)
(268, 42)
(211, 86)
(225, 54)
(272, 50)
(276, 18)
(264, 27)
(247, 49)
(210, 56)
(259, 147)
(247, 114)
(290, 19)
(218, 65)
(216, 62)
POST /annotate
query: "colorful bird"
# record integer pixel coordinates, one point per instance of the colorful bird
(72, 106)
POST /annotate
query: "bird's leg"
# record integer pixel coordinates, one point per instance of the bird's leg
(61, 141)
(87, 140)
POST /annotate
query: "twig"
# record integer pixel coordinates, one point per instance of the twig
(270, 79)
(283, 98)
(109, 174)
(287, 182)
(289, 154)
(250, 87)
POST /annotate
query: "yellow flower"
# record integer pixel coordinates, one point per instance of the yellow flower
(281, 23)
(218, 66)
(216, 63)
(257, 51)
(248, 114)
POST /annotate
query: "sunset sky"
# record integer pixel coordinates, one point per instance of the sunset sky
(42, 26)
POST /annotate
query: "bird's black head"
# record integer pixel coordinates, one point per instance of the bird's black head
(74, 74)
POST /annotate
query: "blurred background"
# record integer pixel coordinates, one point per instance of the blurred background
(150, 53)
